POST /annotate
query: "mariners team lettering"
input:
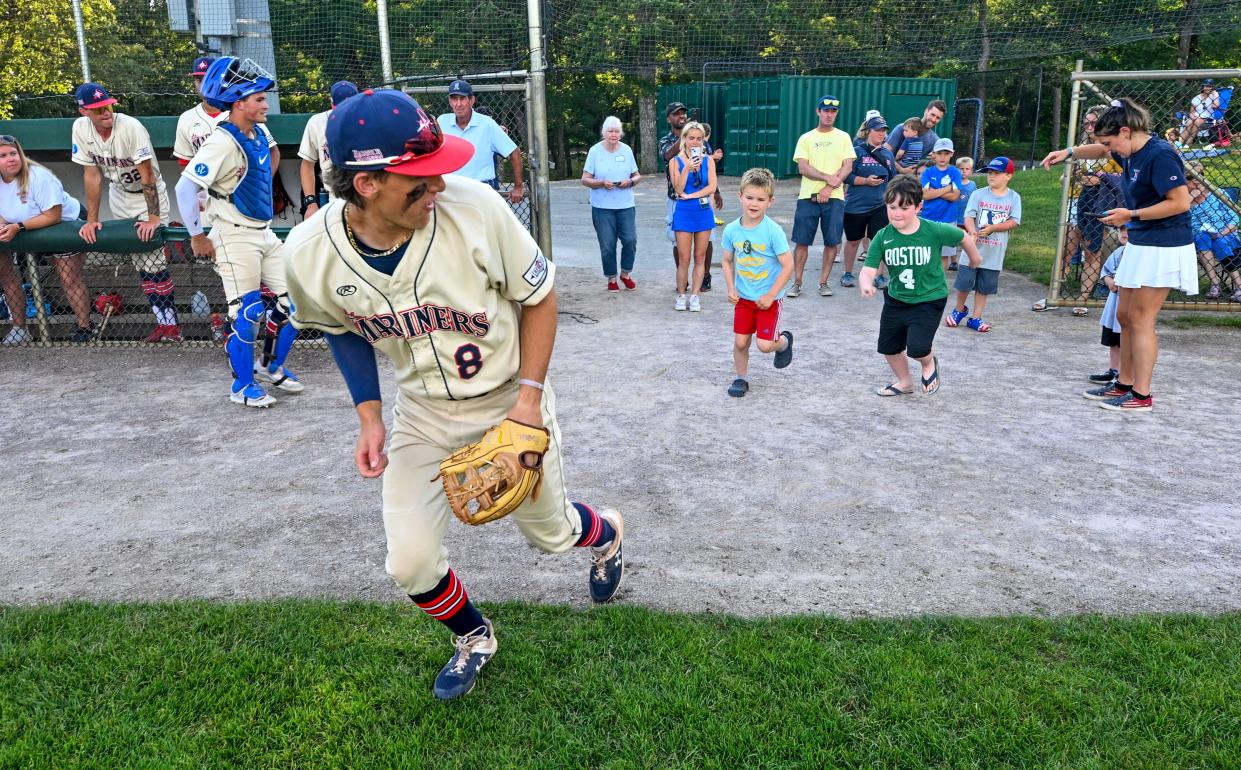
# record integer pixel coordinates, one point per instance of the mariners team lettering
(418, 322)
(904, 256)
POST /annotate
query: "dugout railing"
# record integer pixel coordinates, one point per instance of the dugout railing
(1212, 154)
(121, 307)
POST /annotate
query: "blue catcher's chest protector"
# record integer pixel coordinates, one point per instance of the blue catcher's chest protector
(253, 195)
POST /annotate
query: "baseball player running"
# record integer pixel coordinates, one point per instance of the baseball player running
(234, 166)
(116, 147)
(196, 124)
(432, 271)
(314, 149)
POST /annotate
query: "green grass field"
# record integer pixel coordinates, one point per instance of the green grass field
(318, 684)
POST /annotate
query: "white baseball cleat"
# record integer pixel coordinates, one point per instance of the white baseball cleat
(251, 395)
(282, 378)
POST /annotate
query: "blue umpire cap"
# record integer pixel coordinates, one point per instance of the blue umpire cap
(460, 88)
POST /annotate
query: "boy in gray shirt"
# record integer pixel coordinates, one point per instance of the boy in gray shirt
(991, 213)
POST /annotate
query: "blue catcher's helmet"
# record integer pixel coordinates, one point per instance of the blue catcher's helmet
(230, 79)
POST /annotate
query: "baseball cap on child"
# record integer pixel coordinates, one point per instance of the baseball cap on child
(342, 90)
(828, 103)
(944, 144)
(1001, 165)
(460, 88)
(92, 95)
(200, 66)
(387, 130)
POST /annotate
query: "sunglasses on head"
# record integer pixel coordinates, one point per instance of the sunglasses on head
(8, 139)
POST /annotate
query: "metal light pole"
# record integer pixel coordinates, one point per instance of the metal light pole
(539, 162)
(385, 46)
(77, 22)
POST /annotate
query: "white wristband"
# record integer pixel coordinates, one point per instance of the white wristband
(531, 383)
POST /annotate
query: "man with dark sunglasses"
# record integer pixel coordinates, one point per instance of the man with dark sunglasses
(433, 269)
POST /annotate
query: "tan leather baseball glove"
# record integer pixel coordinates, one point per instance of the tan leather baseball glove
(487, 480)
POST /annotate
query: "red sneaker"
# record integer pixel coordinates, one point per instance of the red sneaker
(613, 285)
(629, 283)
(173, 334)
(156, 335)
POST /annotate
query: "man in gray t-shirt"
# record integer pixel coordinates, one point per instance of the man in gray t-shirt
(931, 116)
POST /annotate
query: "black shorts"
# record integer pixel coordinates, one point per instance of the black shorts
(910, 329)
(1109, 338)
(866, 224)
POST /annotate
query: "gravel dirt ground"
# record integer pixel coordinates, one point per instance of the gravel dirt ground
(130, 477)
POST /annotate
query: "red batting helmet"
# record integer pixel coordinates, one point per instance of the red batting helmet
(108, 302)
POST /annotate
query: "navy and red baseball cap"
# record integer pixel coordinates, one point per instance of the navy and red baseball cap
(200, 66)
(386, 130)
(342, 90)
(92, 95)
(1001, 165)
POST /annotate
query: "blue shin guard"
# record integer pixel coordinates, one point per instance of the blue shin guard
(240, 344)
(284, 338)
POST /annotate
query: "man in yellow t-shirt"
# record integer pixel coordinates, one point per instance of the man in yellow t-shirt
(824, 156)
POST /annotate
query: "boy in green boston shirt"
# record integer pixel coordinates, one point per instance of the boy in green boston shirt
(917, 294)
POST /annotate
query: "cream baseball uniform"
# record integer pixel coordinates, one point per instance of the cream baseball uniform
(118, 157)
(247, 252)
(448, 319)
(314, 147)
(194, 126)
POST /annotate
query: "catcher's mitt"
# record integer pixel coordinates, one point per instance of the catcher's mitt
(487, 480)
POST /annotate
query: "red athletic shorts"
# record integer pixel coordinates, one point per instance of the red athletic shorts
(748, 319)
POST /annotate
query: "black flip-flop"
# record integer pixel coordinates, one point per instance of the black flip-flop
(891, 391)
(738, 388)
(932, 383)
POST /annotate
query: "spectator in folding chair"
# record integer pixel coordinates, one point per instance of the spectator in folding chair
(31, 197)
(1215, 237)
(1206, 116)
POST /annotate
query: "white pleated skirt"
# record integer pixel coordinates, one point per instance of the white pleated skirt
(1174, 267)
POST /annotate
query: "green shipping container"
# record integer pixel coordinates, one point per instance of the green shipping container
(707, 103)
(767, 115)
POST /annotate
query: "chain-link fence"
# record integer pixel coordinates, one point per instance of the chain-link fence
(508, 104)
(164, 295)
(1193, 110)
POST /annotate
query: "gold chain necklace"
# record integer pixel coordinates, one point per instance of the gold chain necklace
(354, 241)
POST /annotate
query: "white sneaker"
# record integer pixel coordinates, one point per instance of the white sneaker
(251, 395)
(694, 305)
(18, 335)
(283, 378)
(839, 258)
(825, 290)
(680, 305)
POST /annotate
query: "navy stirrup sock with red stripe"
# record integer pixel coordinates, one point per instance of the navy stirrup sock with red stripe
(450, 604)
(596, 530)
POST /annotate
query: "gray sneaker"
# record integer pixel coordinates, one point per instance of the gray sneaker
(795, 291)
(18, 335)
(825, 290)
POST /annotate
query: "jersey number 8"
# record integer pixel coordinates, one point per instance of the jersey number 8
(469, 361)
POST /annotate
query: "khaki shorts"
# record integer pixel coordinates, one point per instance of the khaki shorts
(415, 510)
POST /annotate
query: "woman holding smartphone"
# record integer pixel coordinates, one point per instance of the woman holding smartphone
(693, 178)
(1160, 255)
